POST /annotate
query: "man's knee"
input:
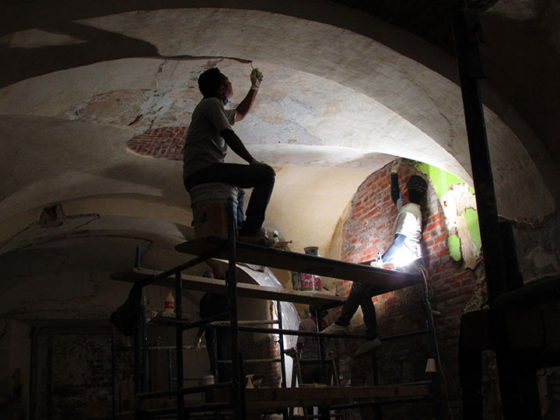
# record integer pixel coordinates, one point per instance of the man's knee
(265, 172)
(269, 171)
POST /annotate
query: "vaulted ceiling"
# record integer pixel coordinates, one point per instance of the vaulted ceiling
(348, 86)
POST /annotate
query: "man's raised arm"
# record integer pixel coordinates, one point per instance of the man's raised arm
(246, 104)
(235, 143)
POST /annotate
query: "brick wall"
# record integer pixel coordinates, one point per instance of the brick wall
(164, 142)
(368, 230)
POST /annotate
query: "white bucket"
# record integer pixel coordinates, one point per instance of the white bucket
(210, 210)
(213, 192)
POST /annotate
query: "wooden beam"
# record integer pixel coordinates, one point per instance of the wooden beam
(259, 398)
(256, 291)
(382, 280)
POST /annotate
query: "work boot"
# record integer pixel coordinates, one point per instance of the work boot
(368, 346)
(257, 238)
(336, 329)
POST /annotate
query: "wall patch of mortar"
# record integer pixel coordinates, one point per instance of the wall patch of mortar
(471, 217)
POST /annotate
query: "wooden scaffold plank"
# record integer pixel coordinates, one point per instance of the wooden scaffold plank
(382, 280)
(256, 291)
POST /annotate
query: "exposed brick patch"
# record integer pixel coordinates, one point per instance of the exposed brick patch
(164, 142)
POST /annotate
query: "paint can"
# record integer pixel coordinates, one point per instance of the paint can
(310, 282)
(169, 306)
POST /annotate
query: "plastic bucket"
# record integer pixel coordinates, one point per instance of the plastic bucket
(209, 205)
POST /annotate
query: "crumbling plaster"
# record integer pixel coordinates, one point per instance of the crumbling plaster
(338, 102)
(332, 98)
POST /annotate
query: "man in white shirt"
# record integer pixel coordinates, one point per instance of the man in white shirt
(404, 254)
(208, 137)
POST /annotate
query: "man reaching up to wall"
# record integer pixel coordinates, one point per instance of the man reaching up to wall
(208, 137)
(404, 254)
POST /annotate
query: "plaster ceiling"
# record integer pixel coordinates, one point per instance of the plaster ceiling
(335, 106)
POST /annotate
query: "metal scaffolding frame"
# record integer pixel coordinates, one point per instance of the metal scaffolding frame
(237, 404)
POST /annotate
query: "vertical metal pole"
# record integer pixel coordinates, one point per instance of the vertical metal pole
(377, 412)
(513, 383)
(238, 387)
(470, 69)
(470, 372)
(145, 361)
(281, 344)
(137, 353)
(140, 347)
(435, 376)
(324, 412)
(138, 257)
(169, 370)
(321, 347)
(513, 275)
(285, 415)
(139, 333)
(214, 343)
(114, 372)
(179, 343)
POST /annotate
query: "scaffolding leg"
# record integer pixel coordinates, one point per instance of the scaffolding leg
(179, 343)
(281, 344)
(324, 412)
(470, 370)
(518, 380)
(140, 350)
(238, 387)
(138, 257)
(376, 407)
(321, 347)
(285, 413)
(515, 401)
(213, 340)
(169, 370)
(114, 373)
(435, 376)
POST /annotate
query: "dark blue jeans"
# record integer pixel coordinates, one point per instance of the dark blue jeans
(360, 295)
(397, 243)
(260, 177)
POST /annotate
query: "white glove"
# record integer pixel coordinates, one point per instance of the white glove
(256, 78)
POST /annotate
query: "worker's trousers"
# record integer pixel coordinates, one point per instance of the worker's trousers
(360, 295)
(260, 177)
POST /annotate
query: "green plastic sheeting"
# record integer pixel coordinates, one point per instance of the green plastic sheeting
(441, 180)
(454, 245)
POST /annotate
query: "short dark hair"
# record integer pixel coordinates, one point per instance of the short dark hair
(417, 188)
(210, 80)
